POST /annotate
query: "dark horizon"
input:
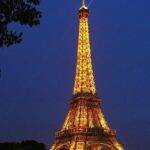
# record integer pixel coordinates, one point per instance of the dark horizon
(37, 75)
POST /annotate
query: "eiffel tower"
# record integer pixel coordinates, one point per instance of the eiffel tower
(85, 127)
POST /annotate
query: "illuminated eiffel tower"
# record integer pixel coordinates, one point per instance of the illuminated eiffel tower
(85, 127)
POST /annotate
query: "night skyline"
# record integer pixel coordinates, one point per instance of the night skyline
(37, 75)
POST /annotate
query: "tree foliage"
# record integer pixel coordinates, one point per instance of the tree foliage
(25, 145)
(23, 12)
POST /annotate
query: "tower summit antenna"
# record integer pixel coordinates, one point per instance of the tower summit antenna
(83, 3)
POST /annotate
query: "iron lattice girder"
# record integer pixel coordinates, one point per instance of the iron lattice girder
(87, 99)
(84, 111)
(84, 77)
(81, 136)
(86, 132)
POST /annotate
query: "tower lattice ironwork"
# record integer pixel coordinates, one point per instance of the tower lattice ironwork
(85, 127)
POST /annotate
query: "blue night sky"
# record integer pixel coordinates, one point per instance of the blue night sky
(37, 75)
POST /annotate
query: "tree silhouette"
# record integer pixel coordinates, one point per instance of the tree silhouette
(23, 12)
(25, 145)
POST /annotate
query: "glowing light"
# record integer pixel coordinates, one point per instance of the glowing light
(80, 146)
(103, 121)
(53, 147)
(118, 146)
(84, 79)
(72, 147)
